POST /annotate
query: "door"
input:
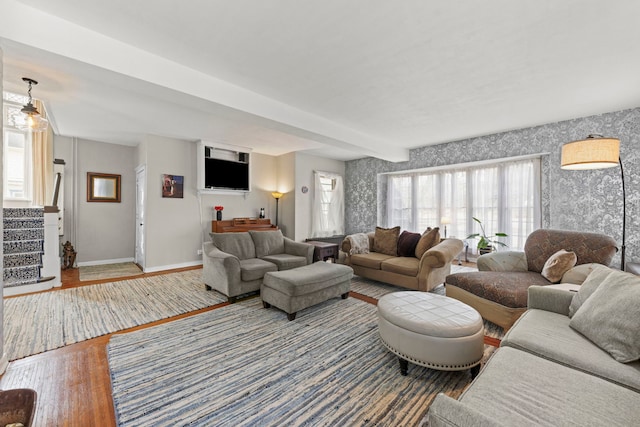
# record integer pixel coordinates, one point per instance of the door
(141, 186)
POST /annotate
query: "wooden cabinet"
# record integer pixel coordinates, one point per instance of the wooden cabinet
(242, 224)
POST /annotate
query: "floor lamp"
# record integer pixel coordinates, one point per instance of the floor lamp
(597, 152)
(276, 195)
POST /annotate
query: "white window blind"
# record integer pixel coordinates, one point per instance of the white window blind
(328, 205)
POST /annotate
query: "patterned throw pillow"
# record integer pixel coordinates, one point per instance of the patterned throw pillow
(429, 239)
(590, 284)
(386, 240)
(558, 264)
(407, 243)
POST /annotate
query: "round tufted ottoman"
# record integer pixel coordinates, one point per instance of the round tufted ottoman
(431, 330)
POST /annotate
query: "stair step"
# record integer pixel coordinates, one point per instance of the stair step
(23, 212)
(23, 234)
(23, 246)
(23, 259)
(15, 274)
(22, 223)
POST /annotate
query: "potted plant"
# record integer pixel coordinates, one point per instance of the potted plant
(486, 244)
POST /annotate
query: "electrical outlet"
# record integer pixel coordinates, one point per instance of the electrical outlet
(199, 252)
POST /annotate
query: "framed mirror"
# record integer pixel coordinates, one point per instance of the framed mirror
(103, 187)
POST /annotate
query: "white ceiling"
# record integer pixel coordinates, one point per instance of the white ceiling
(339, 78)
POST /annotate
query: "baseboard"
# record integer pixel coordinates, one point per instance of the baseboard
(172, 266)
(4, 362)
(104, 261)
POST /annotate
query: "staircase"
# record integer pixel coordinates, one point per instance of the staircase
(24, 247)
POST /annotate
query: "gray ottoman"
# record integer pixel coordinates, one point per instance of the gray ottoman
(302, 287)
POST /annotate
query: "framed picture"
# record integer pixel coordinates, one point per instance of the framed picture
(103, 187)
(173, 186)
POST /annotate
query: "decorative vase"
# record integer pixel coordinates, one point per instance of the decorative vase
(219, 215)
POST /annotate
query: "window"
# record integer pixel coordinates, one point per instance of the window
(17, 151)
(328, 205)
(505, 196)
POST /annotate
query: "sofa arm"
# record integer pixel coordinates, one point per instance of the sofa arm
(448, 412)
(441, 254)
(503, 261)
(550, 299)
(220, 270)
(292, 247)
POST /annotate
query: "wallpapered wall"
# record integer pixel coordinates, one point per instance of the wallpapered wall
(571, 200)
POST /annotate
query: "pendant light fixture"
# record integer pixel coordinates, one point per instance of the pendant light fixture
(32, 119)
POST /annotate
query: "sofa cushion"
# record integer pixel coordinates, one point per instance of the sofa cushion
(386, 240)
(267, 242)
(254, 269)
(370, 260)
(407, 242)
(407, 266)
(558, 264)
(286, 261)
(508, 289)
(590, 284)
(357, 244)
(578, 274)
(519, 389)
(429, 239)
(548, 335)
(237, 244)
(609, 317)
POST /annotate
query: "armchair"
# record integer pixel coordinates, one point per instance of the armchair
(499, 289)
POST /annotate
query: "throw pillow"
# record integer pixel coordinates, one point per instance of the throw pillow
(590, 284)
(429, 239)
(558, 264)
(407, 243)
(386, 240)
(359, 243)
(609, 317)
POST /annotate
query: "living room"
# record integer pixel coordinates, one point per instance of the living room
(533, 83)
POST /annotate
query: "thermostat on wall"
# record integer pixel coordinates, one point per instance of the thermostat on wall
(305, 189)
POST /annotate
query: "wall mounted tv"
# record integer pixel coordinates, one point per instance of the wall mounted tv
(223, 168)
(226, 174)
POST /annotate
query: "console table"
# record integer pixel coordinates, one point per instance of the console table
(242, 224)
(324, 250)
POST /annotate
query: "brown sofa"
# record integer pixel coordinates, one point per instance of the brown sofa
(499, 290)
(421, 274)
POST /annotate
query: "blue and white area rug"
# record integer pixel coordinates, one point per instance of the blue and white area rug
(243, 365)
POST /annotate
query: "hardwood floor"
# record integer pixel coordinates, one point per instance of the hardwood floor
(73, 383)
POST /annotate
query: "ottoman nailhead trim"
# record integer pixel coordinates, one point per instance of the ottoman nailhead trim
(429, 364)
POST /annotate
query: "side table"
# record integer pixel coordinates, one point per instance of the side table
(324, 251)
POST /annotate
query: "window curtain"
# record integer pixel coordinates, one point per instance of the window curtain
(42, 156)
(505, 196)
(327, 216)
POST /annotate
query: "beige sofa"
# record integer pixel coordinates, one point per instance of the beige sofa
(421, 274)
(547, 373)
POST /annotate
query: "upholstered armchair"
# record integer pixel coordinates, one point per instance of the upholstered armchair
(499, 289)
(235, 263)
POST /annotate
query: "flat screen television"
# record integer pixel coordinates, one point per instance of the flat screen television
(226, 174)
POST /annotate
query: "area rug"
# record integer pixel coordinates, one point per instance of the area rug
(40, 322)
(244, 365)
(108, 271)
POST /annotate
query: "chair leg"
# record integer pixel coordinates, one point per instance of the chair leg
(291, 316)
(404, 366)
(266, 304)
(475, 371)
(345, 295)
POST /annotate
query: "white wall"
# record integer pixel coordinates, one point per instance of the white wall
(305, 165)
(286, 165)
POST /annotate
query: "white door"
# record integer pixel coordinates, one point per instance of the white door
(141, 186)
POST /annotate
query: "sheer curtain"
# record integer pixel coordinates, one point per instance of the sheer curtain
(42, 156)
(505, 196)
(327, 216)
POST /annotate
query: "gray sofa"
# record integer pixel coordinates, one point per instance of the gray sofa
(235, 263)
(547, 373)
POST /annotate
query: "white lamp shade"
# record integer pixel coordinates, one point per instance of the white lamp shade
(591, 153)
(445, 220)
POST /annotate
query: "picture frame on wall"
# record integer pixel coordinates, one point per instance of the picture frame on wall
(173, 186)
(103, 187)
